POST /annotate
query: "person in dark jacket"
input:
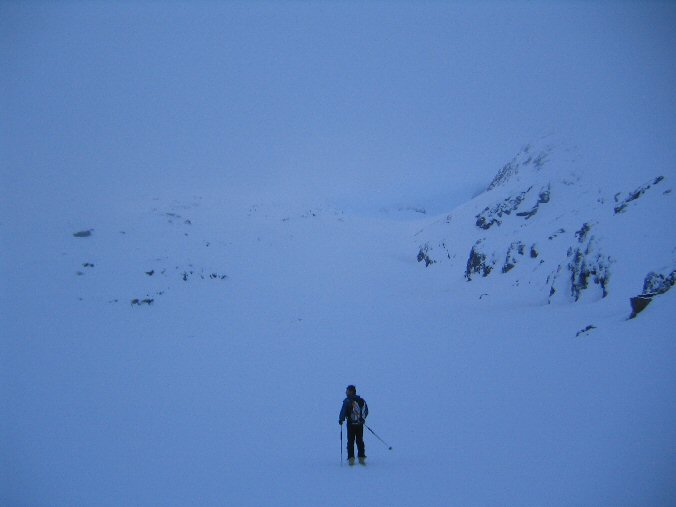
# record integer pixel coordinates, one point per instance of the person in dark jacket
(354, 410)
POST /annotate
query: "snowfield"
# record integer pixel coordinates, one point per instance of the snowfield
(214, 216)
(194, 350)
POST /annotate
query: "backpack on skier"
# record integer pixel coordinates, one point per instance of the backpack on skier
(358, 411)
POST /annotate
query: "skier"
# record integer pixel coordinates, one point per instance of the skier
(354, 410)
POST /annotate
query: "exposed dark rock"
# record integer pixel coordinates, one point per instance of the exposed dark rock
(492, 216)
(478, 262)
(585, 330)
(638, 304)
(139, 302)
(528, 214)
(543, 198)
(654, 284)
(83, 234)
(582, 270)
(581, 235)
(587, 266)
(187, 275)
(533, 252)
(556, 234)
(524, 159)
(516, 248)
(423, 255)
(622, 203)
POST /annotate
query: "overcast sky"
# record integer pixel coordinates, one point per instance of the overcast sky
(397, 99)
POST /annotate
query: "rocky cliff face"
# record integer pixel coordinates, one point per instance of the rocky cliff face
(542, 233)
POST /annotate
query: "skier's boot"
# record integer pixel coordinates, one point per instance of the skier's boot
(362, 460)
(350, 461)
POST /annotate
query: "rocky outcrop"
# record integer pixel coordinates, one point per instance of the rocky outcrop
(527, 158)
(543, 198)
(585, 330)
(140, 302)
(553, 234)
(479, 263)
(515, 249)
(653, 285)
(587, 267)
(657, 283)
(638, 304)
(423, 255)
(624, 200)
(587, 264)
(493, 216)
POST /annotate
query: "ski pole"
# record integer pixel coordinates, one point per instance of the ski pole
(341, 445)
(388, 445)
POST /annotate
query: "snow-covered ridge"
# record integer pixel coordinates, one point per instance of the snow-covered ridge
(542, 233)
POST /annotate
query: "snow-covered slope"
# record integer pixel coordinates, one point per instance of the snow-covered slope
(193, 350)
(542, 232)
